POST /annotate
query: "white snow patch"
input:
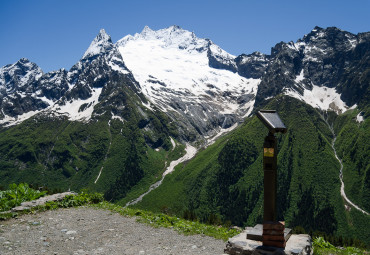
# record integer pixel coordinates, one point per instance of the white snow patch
(190, 153)
(16, 120)
(249, 105)
(353, 107)
(359, 118)
(72, 108)
(299, 77)
(48, 101)
(118, 68)
(352, 40)
(267, 98)
(323, 98)
(230, 108)
(222, 131)
(117, 118)
(292, 46)
(147, 105)
(220, 52)
(173, 143)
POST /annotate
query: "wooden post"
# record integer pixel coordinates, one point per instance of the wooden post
(270, 177)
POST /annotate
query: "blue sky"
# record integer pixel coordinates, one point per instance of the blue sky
(55, 34)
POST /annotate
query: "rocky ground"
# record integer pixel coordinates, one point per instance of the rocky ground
(86, 230)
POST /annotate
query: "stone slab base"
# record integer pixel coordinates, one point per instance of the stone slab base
(240, 245)
(256, 233)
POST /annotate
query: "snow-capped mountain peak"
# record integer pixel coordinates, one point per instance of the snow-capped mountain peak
(316, 69)
(197, 83)
(101, 43)
(171, 37)
(186, 76)
(146, 30)
(19, 74)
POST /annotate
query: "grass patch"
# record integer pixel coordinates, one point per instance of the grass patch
(182, 226)
(322, 247)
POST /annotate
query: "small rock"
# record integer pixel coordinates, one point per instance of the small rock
(71, 232)
(141, 252)
(194, 247)
(64, 230)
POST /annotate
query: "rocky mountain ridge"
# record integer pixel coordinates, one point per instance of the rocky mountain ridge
(197, 84)
(317, 66)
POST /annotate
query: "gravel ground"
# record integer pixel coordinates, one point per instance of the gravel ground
(86, 230)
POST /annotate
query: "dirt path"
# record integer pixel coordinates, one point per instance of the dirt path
(86, 230)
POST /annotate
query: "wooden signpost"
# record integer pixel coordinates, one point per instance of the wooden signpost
(274, 232)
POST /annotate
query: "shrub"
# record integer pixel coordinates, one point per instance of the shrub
(16, 194)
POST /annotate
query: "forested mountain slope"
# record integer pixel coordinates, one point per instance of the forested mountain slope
(225, 181)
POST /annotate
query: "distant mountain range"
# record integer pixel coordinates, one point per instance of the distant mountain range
(114, 121)
(196, 83)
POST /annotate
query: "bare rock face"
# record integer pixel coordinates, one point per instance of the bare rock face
(252, 65)
(325, 58)
(16, 91)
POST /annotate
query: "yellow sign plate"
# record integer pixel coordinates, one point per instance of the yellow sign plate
(268, 152)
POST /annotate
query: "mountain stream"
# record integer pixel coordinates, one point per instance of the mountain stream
(190, 152)
(342, 193)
